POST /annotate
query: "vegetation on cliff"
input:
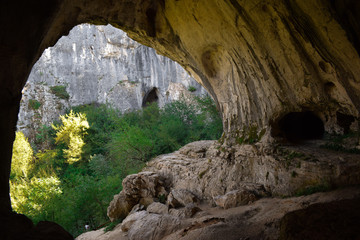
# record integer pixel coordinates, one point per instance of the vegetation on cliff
(72, 180)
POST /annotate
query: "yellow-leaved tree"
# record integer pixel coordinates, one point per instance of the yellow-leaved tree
(71, 133)
(22, 157)
(29, 193)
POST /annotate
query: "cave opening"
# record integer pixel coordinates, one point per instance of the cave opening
(344, 121)
(151, 97)
(115, 78)
(301, 126)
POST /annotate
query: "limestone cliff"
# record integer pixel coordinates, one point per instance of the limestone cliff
(99, 64)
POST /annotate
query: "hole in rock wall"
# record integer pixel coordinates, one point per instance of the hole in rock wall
(151, 97)
(344, 121)
(300, 126)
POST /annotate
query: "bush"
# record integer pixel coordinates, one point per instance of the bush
(191, 89)
(144, 134)
(44, 137)
(34, 104)
(60, 92)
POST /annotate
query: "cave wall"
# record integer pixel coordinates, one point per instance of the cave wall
(259, 59)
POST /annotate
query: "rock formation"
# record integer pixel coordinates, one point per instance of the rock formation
(269, 218)
(202, 178)
(99, 64)
(266, 64)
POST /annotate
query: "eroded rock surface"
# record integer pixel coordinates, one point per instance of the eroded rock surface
(207, 199)
(142, 188)
(268, 218)
(207, 169)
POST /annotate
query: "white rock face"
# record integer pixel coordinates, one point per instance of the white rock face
(100, 64)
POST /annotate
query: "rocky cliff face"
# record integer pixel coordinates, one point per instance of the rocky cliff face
(99, 64)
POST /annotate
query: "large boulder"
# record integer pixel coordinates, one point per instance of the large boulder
(246, 193)
(143, 188)
(157, 208)
(153, 227)
(235, 198)
(181, 198)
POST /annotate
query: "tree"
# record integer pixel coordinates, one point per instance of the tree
(72, 132)
(22, 157)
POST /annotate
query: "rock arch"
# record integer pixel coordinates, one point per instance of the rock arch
(258, 60)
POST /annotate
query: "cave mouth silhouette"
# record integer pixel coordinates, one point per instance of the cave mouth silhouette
(301, 126)
(150, 97)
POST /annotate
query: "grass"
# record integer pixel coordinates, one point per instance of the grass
(60, 92)
(323, 187)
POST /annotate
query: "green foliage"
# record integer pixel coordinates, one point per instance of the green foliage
(322, 187)
(34, 104)
(44, 137)
(81, 176)
(103, 120)
(48, 163)
(112, 225)
(60, 92)
(30, 196)
(86, 199)
(144, 134)
(191, 89)
(162, 198)
(71, 133)
(250, 135)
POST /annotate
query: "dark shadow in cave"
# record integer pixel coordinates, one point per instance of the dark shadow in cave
(344, 121)
(150, 97)
(301, 126)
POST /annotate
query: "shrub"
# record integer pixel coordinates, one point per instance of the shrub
(191, 89)
(44, 137)
(34, 104)
(60, 92)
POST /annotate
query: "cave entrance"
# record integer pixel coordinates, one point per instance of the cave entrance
(150, 97)
(301, 126)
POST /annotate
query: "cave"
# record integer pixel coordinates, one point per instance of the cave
(301, 126)
(150, 97)
(257, 59)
